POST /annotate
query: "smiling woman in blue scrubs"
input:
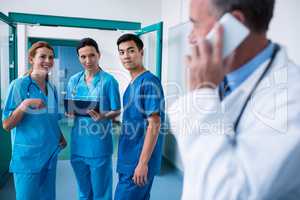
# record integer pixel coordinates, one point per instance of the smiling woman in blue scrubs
(31, 114)
(91, 141)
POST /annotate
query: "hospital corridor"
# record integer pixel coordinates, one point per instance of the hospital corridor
(149, 100)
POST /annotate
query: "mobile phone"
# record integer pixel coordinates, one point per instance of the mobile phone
(234, 34)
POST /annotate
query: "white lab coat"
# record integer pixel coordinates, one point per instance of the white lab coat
(265, 162)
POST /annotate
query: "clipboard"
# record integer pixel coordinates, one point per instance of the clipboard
(80, 107)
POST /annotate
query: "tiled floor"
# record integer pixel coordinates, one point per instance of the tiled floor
(166, 186)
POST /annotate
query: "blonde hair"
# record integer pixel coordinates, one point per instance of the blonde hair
(33, 49)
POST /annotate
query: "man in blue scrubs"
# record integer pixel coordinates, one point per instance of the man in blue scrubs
(91, 141)
(140, 144)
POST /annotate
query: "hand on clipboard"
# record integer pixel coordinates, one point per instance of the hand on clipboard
(75, 107)
(96, 116)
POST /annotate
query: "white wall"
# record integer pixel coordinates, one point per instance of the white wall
(144, 11)
(285, 28)
(174, 12)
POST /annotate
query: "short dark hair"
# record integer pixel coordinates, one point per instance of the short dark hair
(258, 13)
(131, 37)
(87, 42)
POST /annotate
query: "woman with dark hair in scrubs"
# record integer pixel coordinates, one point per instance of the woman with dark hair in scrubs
(91, 135)
(31, 114)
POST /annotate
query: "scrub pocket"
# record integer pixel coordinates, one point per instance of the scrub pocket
(26, 158)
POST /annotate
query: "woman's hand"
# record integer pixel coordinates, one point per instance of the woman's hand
(70, 114)
(96, 116)
(62, 142)
(33, 103)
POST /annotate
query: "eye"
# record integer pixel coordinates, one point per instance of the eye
(121, 53)
(82, 57)
(131, 51)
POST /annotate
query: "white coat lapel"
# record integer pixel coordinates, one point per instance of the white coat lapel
(233, 103)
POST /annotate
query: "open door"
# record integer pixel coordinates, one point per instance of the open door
(152, 36)
(7, 74)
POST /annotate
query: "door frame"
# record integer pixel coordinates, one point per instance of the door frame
(13, 54)
(158, 28)
(102, 24)
(5, 137)
(51, 20)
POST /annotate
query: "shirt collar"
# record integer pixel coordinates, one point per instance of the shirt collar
(139, 75)
(96, 77)
(238, 76)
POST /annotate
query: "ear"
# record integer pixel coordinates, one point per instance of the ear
(142, 52)
(239, 16)
(30, 60)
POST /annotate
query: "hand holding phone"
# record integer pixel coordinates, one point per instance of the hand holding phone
(234, 34)
(210, 73)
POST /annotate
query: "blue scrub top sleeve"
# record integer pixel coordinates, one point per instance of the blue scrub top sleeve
(114, 95)
(13, 100)
(153, 97)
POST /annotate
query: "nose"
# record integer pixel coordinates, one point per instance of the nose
(49, 59)
(125, 55)
(192, 38)
(88, 60)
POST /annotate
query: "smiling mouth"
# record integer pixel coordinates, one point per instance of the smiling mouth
(43, 69)
(46, 67)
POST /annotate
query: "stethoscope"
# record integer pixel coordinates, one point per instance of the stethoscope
(74, 90)
(31, 83)
(273, 56)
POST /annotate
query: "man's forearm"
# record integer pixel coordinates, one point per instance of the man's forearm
(150, 140)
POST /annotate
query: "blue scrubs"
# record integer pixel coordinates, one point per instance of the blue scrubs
(143, 97)
(91, 142)
(35, 141)
(128, 190)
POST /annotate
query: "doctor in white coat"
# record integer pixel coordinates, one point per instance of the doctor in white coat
(241, 142)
